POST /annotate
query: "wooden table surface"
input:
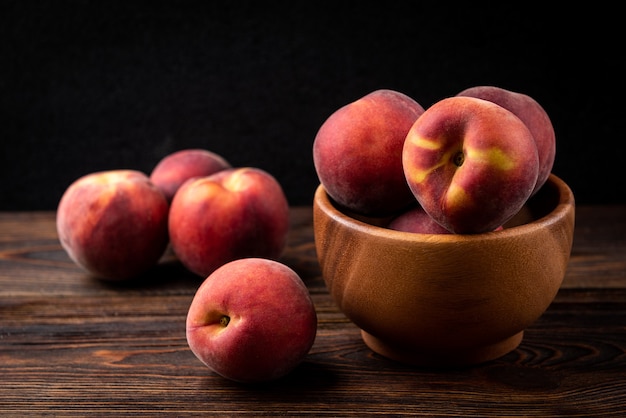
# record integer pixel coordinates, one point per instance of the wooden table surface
(71, 345)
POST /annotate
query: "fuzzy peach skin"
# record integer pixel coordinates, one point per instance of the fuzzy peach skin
(357, 153)
(234, 213)
(532, 114)
(176, 168)
(113, 223)
(470, 163)
(252, 320)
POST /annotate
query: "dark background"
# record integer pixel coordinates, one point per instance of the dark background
(95, 85)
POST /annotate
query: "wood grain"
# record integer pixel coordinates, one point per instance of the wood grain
(71, 345)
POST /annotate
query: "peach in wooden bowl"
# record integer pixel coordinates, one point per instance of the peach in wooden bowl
(446, 299)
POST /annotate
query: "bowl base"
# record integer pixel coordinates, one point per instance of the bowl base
(443, 358)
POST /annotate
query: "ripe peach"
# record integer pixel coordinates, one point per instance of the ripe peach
(532, 114)
(113, 223)
(176, 168)
(357, 153)
(416, 220)
(252, 320)
(234, 213)
(471, 164)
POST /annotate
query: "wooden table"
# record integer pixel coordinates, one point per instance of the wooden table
(73, 345)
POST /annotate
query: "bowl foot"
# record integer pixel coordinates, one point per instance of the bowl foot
(437, 357)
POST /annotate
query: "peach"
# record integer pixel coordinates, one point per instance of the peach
(470, 163)
(357, 153)
(532, 114)
(416, 220)
(176, 168)
(113, 223)
(252, 320)
(234, 213)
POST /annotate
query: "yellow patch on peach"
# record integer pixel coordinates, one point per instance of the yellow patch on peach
(109, 178)
(99, 204)
(493, 157)
(419, 175)
(238, 181)
(204, 189)
(218, 321)
(425, 143)
(456, 196)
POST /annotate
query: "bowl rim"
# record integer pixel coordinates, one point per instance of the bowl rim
(563, 207)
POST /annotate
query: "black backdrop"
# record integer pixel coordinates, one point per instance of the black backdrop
(95, 85)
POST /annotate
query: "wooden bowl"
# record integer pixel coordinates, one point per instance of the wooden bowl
(446, 300)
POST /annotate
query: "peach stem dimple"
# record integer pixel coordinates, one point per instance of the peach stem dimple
(458, 158)
(224, 320)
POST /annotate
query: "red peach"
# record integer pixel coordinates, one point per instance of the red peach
(252, 320)
(471, 164)
(234, 213)
(176, 168)
(416, 220)
(532, 114)
(357, 153)
(113, 223)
